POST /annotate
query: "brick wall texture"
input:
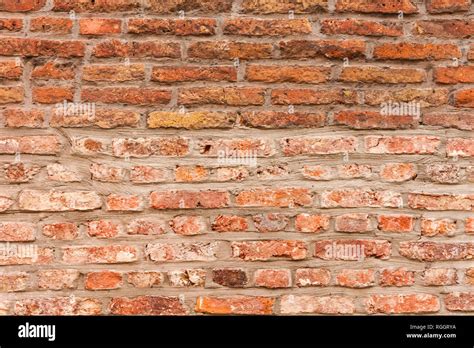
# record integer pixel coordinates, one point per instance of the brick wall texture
(190, 157)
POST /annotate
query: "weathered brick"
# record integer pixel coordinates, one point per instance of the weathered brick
(117, 202)
(318, 145)
(188, 225)
(17, 232)
(32, 47)
(126, 95)
(58, 306)
(311, 223)
(99, 254)
(232, 96)
(113, 73)
(232, 278)
(180, 27)
(385, 6)
(275, 119)
(172, 74)
(398, 172)
(355, 278)
(146, 227)
(353, 198)
(230, 223)
(143, 280)
(61, 230)
(352, 26)
(313, 97)
(271, 222)
(444, 6)
(294, 73)
(58, 279)
(460, 301)
(272, 278)
(301, 304)
(429, 251)
(416, 51)
(397, 277)
(353, 223)
(374, 120)
(185, 251)
(191, 120)
(54, 25)
(145, 147)
(189, 199)
(54, 71)
(147, 305)
(37, 200)
(372, 74)
(283, 6)
(235, 305)
(22, 5)
(396, 223)
(464, 98)
(229, 50)
(460, 121)
(450, 28)
(102, 228)
(434, 201)
(407, 303)
(13, 282)
(352, 249)
(332, 49)
(435, 227)
(402, 144)
(284, 197)
(103, 280)
(271, 27)
(460, 147)
(187, 278)
(312, 277)
(439, 276)
(267, 249)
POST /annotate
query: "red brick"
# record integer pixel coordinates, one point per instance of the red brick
(273, 278)
(113, 73)
(117, 202)
(397, 277)
(11, 24)
(10, 70)
(443, 6)
(19, 172)
(353, 223)
(136, 49)
(271, 222)
(146, 227)
(147, 305)
(354, 278)
(230, 50)
(353, 198)
(352, 249)
(188, 225)
(450, 28)
(460, 121)
(52, 95)
(464, 98)
(12, 282)
(54, 71)
(172, 74)
(37, 200)
(283, 6)
(240, 96)
(230, 223)
(275, 119)
(460, 301)
(398, 172)
(439, 276)
(107, 254)
(145, 147)
(191, 173)
(429, 201)
(143, 280)
(313, 97)
(374, 120)
(416, 51)
(303, 304)
(185, 251)
(126, 95)
(375, 74)
(244, 147)
(61, 230)
(58, 279)
(318, 145)
(385, 6)
(399, 304)
(11, 95)
(21, 5)
(55, 25)
(352, 26)
(103, 229)
(96, 6)
(312, 277)
(332, 49)
(426, 97)
(146, 174)
(187, 278)
(173, 6)
(402, 144)
(396, 223)
(284, 197)
(232, 278)
(103, 280)
(58, 306)
(261, 27)
(449, 75)
(435, 227)
(460, 147)
(469, 225)
(180, 27)
(234, 305)
(32, 47)
(429, 251)
(99, 26)
(189, 199)
(17, 232)
(311, 223)
(268, 249)
(105, 173)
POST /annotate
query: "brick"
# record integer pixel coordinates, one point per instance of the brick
(32, 47)
(22, 5)
(268, 249)
(173, 74)
(11, 24)
(126, 95)
(451, 28)
(353, 198)
(372, 74)
(396, 223)
(144, 280)
(352, 249)
(407, 303)
(54, 71)
(61, 230)
(450, 75)
(96, 6)
(52, 95)
(460, 147)
(146, 227)
(402, 144)
(439, 276)
(275, 119)
(11, 94)
(245, 147)
(284, 6)
(191, 173)
(398, 172)
(187, 278)
(312, 277)
(293, 74)
(285, 197)
(190, 120)
(435, 227)
(145, 147)
(10, 70)
(235, 305)
(229, 50)
(224, 174)
(146, 175)
(19, 172)
(102, 229)
(459, 121)
(54, 25)
(58, 279)
(103, 280)
(311, 223)
(332, 49)
(262, 27)
(353, 223)
(188, 225)
(230, 223)
(117, 202)
(17, 232)
(173, 6)
(99, 26)
(460, 301)
(355, 278)
(22, 254)
(185, 251)
(374, 120)
(58, 306)
(231, 278)
(367, 6)
(271, 222)
(37, 200)
(313, 97)
(240, 96)
(397, 277)
(113, 73)
(33, 144)
(302, 304)
(180, 27)
(318, 145)
(469, 279)
(447, 6)
(107, 254)
(272, 278)
(58, 172)
(416, 51)
(464, 98)
(147, 305)
(189, 199)
(136, 49)
(352, 26)
(13, 282)
(469, 225)
(16, 118)
(430, 251)
(426, 97)
(106, 173)
(428, 201)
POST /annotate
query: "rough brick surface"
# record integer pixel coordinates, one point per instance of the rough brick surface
(224, 157)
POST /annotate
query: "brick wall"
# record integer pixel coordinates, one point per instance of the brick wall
(236, 157)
